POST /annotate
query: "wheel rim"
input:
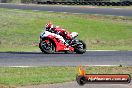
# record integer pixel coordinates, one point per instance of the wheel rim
(80, 46)
(47, 45)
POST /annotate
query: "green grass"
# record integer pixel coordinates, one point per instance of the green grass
(13, 76)
(20, 29)
(35, 75)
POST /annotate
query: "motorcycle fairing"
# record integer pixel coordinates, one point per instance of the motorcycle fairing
(59, 45)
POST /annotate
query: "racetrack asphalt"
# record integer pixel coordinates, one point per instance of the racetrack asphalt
(59, 59)
(75, 85)
(71, 9)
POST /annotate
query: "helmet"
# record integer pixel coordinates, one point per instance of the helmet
(49, 26)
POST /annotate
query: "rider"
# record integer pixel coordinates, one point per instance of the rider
(60, 33)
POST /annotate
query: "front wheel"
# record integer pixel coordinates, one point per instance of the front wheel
(80, 47)
(47, 46)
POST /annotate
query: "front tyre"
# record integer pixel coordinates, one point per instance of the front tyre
(47, 46)
(80, 48)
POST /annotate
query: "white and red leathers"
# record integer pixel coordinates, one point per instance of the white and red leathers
(60, 33)
(63, 33)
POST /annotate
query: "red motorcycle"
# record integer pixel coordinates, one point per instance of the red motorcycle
(50, 44)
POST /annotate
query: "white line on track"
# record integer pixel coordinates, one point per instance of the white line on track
(16, 9)
(65, 12)
(77, 13)
(117, 8)
(102, 50)
(22, 66)
(35, 10)
(101, 65)
(50, 11)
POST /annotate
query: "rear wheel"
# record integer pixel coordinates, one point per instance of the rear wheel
(80, 48)
(47, 46)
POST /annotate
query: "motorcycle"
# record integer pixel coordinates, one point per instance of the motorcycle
(50, 44)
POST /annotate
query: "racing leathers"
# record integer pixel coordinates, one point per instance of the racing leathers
(61, 34)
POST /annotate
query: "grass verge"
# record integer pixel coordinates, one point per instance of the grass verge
(20, 29)
(13, 76)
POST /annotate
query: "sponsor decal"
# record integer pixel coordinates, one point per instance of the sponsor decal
(66, 48)
(83, 78)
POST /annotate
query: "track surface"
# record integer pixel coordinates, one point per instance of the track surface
(72, 9)
(60, 59)
(75, 85)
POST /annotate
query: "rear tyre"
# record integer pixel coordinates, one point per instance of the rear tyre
(47, 46)
(80, 48)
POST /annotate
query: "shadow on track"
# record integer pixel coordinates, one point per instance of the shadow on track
(11, 52)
